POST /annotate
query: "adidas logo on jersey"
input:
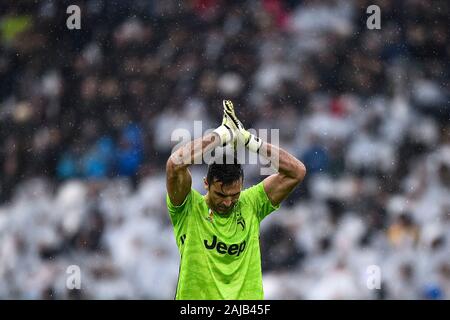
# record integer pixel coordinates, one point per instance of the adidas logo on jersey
(222, 248)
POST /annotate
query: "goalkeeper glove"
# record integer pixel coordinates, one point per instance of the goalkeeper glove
(252, 142)
(225, 132)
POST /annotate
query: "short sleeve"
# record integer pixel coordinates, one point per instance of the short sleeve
(257, 196)
(178, 213)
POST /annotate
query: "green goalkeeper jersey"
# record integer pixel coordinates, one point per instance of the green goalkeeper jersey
(220, 254)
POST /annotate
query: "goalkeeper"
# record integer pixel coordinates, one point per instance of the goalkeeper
(218, 234)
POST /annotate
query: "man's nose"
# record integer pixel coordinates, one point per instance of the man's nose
(227, 203)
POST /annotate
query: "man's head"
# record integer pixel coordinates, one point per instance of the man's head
(224, 184)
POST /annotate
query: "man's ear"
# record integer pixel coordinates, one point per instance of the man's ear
(205, 183)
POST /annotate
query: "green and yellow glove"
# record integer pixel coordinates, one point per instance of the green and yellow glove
(252, 142)
(225, 131)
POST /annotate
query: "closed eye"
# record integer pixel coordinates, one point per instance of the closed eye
(224, 195)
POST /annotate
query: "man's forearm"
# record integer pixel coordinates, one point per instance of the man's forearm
(285, 163)
(193, 151)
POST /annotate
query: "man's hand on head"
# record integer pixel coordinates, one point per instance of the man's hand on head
(250, 141)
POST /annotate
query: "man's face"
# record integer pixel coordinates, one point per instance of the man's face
(222, 198)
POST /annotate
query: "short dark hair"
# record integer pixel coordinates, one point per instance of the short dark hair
(226, 173)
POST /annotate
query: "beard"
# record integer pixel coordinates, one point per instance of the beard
(225, 210)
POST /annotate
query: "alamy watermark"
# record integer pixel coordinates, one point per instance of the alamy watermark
(374, 20)
(74, 20)
(73, 280)
(230, 153)
(373, 277)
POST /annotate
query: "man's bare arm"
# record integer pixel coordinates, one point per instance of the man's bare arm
(178, 177)
(291, 172)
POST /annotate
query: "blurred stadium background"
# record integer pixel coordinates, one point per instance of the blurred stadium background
(86, 117)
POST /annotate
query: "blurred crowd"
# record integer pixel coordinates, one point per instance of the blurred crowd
(86, 118)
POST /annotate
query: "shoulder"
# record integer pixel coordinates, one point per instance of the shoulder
(253, 190)
(253, 193)
(257, 198)
(192, 198)
(196, 196)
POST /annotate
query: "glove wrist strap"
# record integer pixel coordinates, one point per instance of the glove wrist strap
(254, 143)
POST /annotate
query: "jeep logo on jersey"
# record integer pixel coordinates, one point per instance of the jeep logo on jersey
(222, 248)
